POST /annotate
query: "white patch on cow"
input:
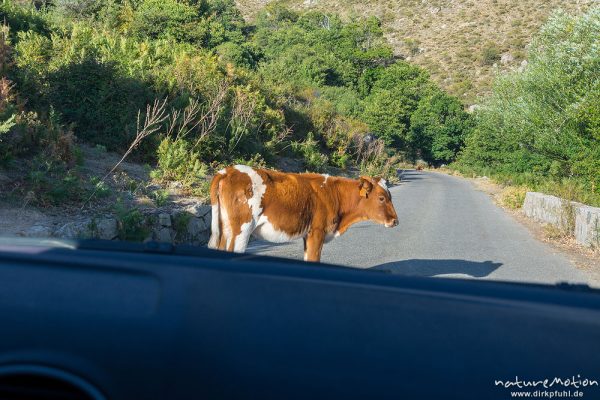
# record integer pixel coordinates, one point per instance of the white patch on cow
(383, 183)
(326, 176)
(266, 231)
(258, 190)
(330, 236)
(221, 171)
(305, 256)
(213, 243)
(241, 240)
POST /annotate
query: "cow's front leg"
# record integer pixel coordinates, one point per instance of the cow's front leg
(313, 244)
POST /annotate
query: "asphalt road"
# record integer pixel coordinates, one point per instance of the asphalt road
(447, 229)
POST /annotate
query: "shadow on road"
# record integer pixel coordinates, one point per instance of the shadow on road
(439, 267)
(409, 175)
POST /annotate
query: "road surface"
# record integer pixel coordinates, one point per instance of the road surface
(447, 228)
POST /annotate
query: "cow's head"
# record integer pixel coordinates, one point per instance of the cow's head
(376, 201)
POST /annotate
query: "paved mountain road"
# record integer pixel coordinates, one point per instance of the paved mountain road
(447, 228)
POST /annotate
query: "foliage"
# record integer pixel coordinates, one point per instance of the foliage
(178, 162)
(542, 124)
(513, 196)
(131, 224)
(490, 54)
(51, 183)
(305, 85)
(438, 128)
(393, 99)
(314, 160)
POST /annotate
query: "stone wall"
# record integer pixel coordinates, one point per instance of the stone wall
(587, 225)
(189, 224)
(579, 220)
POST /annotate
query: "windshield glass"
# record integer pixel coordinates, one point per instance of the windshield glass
(424, 141)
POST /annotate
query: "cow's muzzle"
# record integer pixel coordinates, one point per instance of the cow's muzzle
(392, 223)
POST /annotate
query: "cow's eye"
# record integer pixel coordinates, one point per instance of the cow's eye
(381, 199)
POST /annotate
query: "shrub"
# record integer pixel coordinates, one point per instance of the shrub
(51, 183)
(163, 18)
(178, 162)
(131, 224)
(160, 197)
(438, 128)
(513, 197)
(542, 124)
(308, 149)
(490, 54)
(101, 102)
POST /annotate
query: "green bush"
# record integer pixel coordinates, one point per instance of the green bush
(542, 124)
(132, 225)
(314, 160)
(490, 54)
(102, 103)
(299, 84)
(164, 18)
(51, 182)
(438, 128)
(178, 162)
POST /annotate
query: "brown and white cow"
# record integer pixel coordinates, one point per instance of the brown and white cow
(279, 207)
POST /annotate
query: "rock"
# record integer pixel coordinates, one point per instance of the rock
(164, 235)
(106, 228)
(473, 107)
(164, 219)
(196, 226)
(522, 66)
(74, 230)
(199, 210)
(38, 231)
(199, 230)
(506, 58)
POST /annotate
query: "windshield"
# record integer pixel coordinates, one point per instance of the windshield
(421, 140)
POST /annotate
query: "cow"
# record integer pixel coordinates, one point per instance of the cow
(280, 207)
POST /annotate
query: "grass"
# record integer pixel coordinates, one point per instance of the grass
(513, 196)
(571, 189)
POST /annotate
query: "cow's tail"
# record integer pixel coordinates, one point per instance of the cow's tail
(215, 223)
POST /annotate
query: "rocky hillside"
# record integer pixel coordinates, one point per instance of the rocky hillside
(463, 43)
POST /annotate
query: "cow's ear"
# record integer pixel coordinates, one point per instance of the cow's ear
(365, 186)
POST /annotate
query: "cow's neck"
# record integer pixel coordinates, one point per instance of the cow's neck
(349, 199)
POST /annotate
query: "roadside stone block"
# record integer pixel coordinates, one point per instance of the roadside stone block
(582, 221)
(544, 208)
(587, 225)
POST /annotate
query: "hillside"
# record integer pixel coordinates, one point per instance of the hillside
(460, 42)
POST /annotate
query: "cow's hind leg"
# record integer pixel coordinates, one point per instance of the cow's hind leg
(226, 229)
(242, 239)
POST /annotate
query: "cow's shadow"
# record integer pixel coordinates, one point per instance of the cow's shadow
(424, 267)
